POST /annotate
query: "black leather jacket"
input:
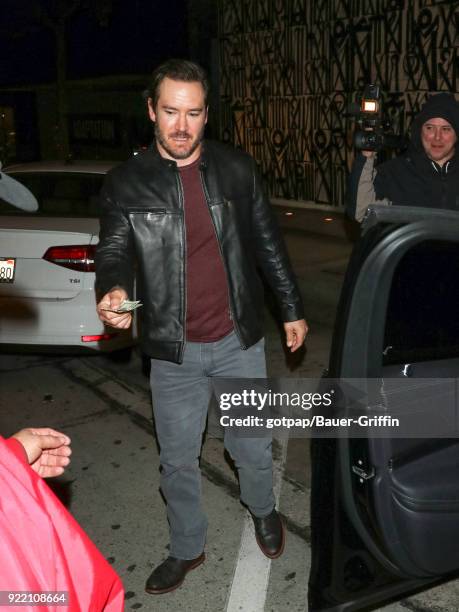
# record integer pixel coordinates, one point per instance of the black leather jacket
(142, 221)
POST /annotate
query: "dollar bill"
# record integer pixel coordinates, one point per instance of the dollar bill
(126, 306)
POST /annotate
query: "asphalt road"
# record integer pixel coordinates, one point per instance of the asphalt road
(112, 484)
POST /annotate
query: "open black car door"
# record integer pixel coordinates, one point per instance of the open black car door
(385, 512)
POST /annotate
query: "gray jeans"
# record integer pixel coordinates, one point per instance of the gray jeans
(181, 395)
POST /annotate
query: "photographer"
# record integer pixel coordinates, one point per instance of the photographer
(427, 174)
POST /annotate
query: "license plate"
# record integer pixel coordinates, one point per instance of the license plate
(7, 269)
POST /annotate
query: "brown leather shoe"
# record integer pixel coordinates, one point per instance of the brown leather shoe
(170, 574)
(270, 534)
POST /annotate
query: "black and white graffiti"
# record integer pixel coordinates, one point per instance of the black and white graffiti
(289, 68)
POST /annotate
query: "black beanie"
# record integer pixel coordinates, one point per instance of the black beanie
(443, 105)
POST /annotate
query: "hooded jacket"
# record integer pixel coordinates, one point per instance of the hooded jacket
(411, 179)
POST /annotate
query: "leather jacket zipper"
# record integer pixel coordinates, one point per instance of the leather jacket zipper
(231, 311)
(443, 175)
(182, 204)
(442, 172)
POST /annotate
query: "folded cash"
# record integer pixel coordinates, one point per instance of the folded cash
(126, 306)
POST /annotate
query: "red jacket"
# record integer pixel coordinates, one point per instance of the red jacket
(42, 546)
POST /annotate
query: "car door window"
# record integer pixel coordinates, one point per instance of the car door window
(422, 323)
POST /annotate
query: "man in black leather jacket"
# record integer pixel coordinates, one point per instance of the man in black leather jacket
(426, 175)
(193, 217)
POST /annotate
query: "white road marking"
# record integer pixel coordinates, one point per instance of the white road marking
(251, 575)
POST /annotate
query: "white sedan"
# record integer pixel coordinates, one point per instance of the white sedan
(47, 257)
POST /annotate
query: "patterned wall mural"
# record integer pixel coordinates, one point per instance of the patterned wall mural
(289, 68)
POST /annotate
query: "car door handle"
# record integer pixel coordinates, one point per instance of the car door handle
(362, 473)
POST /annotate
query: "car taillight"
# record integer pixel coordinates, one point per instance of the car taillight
(98, 337)
(75, 257)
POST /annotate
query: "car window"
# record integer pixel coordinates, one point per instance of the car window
(59, 194)
(422, 323)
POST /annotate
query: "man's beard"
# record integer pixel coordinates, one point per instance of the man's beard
(182, 153)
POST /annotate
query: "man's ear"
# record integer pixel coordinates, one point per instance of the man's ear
(151, 110)
(207, 114)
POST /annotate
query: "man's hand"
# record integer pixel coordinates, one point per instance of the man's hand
(295, 332)
(112, 301)
(48, 450)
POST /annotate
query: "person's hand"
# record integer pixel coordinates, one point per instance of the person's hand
(112, 300)
(48, 450)
(295, 333)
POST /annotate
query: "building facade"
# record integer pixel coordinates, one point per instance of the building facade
(290, 68)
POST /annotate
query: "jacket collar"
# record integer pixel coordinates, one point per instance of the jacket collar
(425, 164)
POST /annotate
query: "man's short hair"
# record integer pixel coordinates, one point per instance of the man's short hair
(177, 70)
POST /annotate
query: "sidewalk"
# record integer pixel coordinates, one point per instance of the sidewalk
(320, 244)
(333, 224)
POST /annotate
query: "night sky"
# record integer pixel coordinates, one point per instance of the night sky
(139, 34)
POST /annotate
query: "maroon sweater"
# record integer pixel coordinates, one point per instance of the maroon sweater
(207, 302)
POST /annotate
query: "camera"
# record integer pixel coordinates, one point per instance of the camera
(375, 129)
